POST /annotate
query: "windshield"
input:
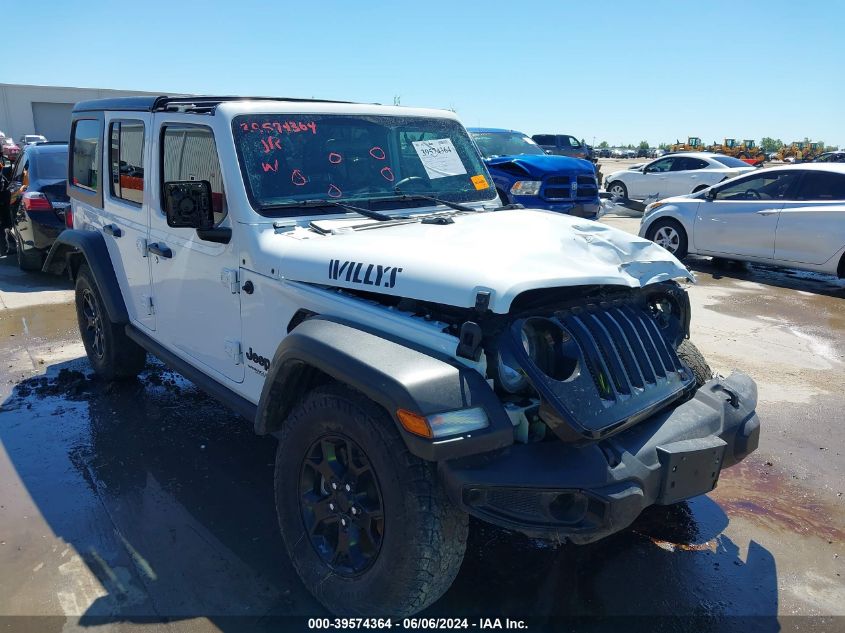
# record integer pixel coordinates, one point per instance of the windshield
(293, 158)
(494, 144)
(729, 161)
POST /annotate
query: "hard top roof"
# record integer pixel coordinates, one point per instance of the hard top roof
(190, 103)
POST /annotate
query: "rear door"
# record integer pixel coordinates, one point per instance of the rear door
(743, 217)
(811, 228)
(126, 210)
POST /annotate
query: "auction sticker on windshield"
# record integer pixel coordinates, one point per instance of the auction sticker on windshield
(439, 158)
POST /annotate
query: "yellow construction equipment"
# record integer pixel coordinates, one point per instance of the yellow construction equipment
(749, 150)
(693, 144)
(728, 147)
(800, 151)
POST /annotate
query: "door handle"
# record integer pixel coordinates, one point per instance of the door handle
(159, 249)
(767, 211)
(112, 230)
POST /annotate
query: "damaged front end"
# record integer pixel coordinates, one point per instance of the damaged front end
(608, 418)
(598, 364)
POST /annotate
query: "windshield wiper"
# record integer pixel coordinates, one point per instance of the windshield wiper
(375, 215)
(418, 196)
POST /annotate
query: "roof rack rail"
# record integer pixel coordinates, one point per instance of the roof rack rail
(180, 103)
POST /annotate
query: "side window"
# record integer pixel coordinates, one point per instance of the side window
(821, 185)
(85, 154)
(572, 141)
(127, 160)
(189, 153)
(686, 163)
(544, 139)
(661, 166)
(22, 166)
(765, 186)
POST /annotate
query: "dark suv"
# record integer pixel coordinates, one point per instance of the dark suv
(36, 206)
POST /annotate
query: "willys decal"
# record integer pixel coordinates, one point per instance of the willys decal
(362, 273)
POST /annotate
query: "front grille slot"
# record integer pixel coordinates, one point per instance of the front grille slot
(557, 188)
(624, 349)
(587, 187)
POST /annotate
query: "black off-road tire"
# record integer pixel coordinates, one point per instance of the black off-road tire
(694, 359)
(424, 535)
(112, 354)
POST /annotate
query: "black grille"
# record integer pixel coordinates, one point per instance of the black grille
(557, 188)
(623, 364)
(625, 345)
(587, 187)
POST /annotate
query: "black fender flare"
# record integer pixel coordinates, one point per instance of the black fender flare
(390, 373)
(72, 245)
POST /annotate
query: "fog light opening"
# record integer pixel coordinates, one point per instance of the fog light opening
(569, 507)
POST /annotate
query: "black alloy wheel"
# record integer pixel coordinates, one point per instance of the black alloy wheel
(341, 505)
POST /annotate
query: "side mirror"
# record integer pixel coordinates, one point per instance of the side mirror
(710, 194)
(187, 204)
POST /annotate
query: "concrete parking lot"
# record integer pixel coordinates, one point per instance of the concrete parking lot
(148, 503)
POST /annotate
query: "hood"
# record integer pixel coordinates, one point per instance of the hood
(502, 252)
(539, 165)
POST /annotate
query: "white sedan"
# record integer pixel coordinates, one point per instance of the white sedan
(673, 175)
(790, 216)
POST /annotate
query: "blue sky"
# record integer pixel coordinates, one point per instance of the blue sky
(616, 71)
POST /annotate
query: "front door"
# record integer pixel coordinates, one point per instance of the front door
(743, 216)
(196, 295)
(126, 211)
(653, 182)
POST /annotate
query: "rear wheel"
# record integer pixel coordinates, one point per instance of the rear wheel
(367, 524)
(669, 234)
(28, 260)
(112, 354)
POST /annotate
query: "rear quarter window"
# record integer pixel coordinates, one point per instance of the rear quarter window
(85, 154)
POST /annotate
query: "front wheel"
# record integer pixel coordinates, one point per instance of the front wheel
(670, 235)
(694, 359)
(367, 525)
(618, 191)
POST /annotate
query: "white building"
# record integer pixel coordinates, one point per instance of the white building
(46, 109)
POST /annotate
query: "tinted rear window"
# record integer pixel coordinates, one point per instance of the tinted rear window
(51, 165)
(730, 161)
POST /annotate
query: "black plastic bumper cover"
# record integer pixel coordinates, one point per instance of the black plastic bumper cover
(560, 491)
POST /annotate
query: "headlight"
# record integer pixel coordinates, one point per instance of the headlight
(443, 424)
(526, 188)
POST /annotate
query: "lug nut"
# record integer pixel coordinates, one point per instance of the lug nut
(343, 522)
(354, 510)
(334, 485)
(331, 507)
(348, 488)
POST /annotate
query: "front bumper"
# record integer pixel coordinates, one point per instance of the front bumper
(587, 210)
(560, 491)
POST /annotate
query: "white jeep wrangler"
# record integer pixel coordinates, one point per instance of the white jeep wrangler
(343, 275)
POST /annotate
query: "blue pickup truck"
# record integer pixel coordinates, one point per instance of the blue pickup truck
(524, 174)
